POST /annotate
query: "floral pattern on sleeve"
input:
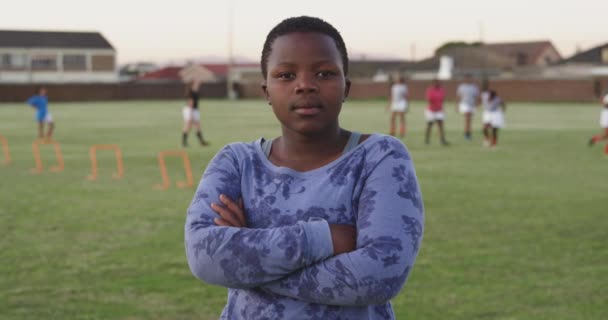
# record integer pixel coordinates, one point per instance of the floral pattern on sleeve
(389, 225)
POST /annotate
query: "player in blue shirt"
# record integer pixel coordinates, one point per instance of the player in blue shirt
(320, 222)
(40, 102)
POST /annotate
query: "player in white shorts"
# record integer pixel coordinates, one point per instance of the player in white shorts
(40, 102)
(493, 117)
(603, 124)
(189, 114)
(468, 92)
(192, 115)
(485, 102)
(398, 105)
(435, 95)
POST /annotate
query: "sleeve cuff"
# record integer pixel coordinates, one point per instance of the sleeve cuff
(319, 245)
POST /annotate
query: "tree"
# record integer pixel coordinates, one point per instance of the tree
(456, 44)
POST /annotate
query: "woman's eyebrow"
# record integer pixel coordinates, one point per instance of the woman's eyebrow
(314, 64)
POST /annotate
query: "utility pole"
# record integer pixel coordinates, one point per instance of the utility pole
(413, 51)
(484, 77)
(229, 75)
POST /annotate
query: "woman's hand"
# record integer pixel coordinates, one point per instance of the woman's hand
(344, 238)
(231, 213)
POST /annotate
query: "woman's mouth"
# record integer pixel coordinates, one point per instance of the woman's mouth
(307, 110)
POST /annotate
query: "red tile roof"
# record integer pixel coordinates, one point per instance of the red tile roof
(532, 49)
(172, 72)
(166, 73)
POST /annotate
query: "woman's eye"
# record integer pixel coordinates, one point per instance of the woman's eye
(286, 75)
(325, 74)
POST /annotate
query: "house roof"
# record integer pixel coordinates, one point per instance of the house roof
(593, 56)
(53, 39)
(465, 58)
(532, 49)
(221, 70)
(167, 73)
(172, 73)
(469, 58)
(367, 68)
(195, 72)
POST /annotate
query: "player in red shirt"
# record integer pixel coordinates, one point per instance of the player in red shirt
(435, 95)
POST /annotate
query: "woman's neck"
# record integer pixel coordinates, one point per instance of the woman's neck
(304, 152)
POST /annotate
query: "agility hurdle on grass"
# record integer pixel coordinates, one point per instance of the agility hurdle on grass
(36, 150)
(163, 170)
(7, 154)
(93, 155)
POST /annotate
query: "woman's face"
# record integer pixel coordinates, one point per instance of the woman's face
(305, 83)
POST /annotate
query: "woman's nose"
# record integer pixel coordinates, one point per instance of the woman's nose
(306, 84)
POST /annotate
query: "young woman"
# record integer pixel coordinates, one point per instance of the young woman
(192, 115)
(435, 96)
(318, 223)
(603, 124)
(40, 102)
(493, 118)
(398, 106)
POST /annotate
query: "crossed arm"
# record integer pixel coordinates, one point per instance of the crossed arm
(232, 214)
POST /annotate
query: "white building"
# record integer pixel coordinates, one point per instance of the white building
(56, 57)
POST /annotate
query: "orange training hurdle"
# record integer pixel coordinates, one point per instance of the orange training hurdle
(93, 154)
(163, 170)
(36, 149)
(7, 154)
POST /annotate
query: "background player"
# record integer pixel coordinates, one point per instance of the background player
(468, 92)
(398, 105)
(40, 102)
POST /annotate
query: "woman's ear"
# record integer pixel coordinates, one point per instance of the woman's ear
(265, 90)
(346, 89)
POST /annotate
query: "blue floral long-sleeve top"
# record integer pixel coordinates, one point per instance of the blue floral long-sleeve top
(281, 266)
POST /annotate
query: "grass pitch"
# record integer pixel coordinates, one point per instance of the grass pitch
(514, 233)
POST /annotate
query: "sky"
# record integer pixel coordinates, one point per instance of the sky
(166, 32)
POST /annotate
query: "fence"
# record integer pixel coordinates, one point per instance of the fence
(586, 90)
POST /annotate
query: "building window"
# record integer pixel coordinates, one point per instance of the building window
(5, 60)
(521, 59)
(74, 62)
(605, 55)
(102, 62)
(12, 61)
(44, 62)
(597, 88)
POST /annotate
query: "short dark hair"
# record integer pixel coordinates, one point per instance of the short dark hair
(303, 24)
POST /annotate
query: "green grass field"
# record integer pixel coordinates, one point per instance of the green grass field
(514, 233)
